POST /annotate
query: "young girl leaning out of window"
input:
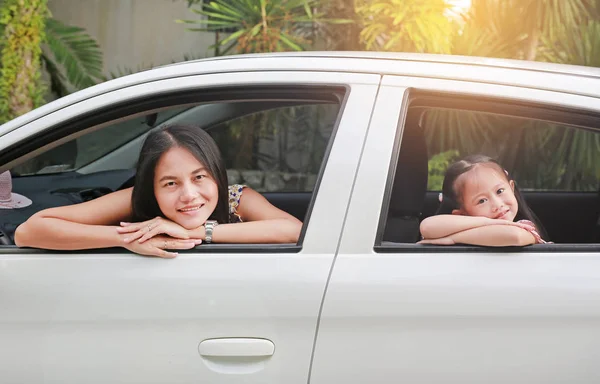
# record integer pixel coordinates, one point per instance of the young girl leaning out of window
(481, 205)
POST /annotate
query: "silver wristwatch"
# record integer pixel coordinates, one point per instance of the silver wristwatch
(209, 226)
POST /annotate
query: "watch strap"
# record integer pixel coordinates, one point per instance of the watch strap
(209, 226)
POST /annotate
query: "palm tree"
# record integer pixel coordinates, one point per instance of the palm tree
(22, 33)
(579, 148)
(561, 31)
(72, 59)
(31, 41)
(258, 25)
(406, 25)
(516, 28)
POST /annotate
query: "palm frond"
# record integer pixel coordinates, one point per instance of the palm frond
(58, 83)
(259, 25)
(74, 50)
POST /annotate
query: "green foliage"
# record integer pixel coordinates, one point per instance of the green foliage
(516, 28)
(338, 36)
(437, 166)
(490, 29)
(582, 48)
(405, 25)
(20, 80)
(71, 57)
(124, 71)
(563, 31)
(540, 155)
(259, 25)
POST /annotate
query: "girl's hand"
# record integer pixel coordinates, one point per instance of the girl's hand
(158, 245)
(148, 229)
(527, 227)
(440, 241)
(524, 226)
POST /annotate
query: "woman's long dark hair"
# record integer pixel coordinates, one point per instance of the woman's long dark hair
(451, 194)
(200, 145)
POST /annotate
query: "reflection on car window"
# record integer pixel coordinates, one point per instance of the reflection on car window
(90, 147)
(279, 149)
(542, 156)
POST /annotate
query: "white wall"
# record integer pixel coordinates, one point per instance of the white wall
(136, 33)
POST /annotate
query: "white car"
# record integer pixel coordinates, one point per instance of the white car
(341, 141)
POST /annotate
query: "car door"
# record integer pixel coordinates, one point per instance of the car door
(404, 312)
(218, 313)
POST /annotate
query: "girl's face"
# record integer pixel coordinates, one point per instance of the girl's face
(486, 192)
(186, 193)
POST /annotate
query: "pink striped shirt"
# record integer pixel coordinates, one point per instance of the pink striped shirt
(534, 232)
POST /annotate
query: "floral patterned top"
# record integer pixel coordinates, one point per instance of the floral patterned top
(235, 193)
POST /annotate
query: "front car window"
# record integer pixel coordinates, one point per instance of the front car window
(269, 145)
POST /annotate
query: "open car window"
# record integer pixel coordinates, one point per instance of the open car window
(272, 145)
(553, 155)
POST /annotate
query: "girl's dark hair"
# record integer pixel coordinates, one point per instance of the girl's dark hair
(200, 145)
(451, 194)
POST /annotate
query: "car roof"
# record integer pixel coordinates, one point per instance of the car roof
(424, 57)
(499, 71)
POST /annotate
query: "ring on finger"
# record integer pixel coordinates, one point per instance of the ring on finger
(149, 228)
(165, 245)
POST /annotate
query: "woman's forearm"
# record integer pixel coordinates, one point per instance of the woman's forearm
(257, 232)
(59, 234)
(494, 236)
(435, 227)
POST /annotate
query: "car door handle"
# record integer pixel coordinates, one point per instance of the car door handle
(236, 347)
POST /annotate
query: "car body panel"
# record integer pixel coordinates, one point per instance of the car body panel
(423, 317)
(125, 318)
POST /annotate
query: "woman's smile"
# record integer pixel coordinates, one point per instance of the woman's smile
(190, 209)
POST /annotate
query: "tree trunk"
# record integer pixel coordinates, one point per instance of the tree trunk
(20, 77)
(532, 45)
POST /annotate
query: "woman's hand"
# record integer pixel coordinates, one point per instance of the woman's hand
(148, 229)
(158, 245)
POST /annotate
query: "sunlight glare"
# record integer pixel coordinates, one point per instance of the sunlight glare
(460, 6)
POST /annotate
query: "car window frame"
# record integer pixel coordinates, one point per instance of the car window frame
(578, 118)
(292, 92)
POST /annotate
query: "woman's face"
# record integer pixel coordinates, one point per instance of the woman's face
(186, 193)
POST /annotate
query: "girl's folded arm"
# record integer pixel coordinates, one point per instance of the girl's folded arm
(80, 226)
(435, 227)
(494, 236)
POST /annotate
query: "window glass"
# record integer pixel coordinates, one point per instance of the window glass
(270, 147)
(279, 149)
(90, 147)
(540, 155)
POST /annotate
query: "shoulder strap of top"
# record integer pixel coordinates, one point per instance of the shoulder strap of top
(235, 193)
